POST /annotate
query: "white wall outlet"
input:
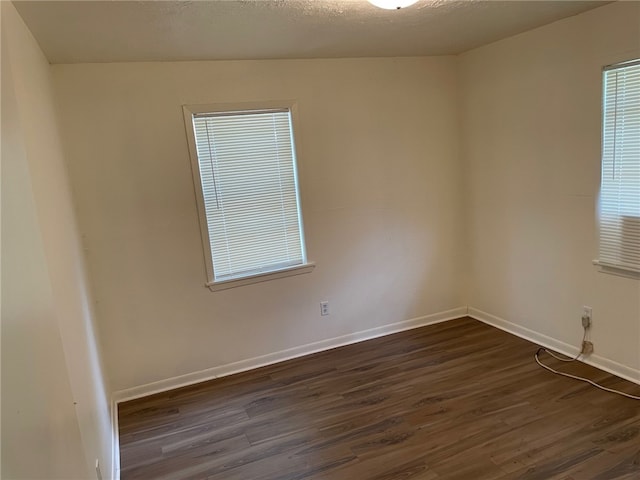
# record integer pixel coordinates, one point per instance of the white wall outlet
(324, 308)
(587, 316)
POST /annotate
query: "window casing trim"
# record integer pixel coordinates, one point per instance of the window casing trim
(604, 267)
(261, 277)
(190, 112)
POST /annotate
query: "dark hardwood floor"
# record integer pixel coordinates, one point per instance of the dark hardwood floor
(457, 400)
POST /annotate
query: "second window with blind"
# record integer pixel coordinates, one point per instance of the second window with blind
(245, 175)
(619, 213)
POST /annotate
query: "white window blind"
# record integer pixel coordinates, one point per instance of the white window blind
(247, 169)
(620, 185)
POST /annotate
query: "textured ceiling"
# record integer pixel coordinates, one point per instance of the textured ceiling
(122, 31)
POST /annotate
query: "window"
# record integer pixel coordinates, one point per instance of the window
(244, 169)
(619, 214)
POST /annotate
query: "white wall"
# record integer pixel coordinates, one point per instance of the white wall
(531, 149)
(378, 167)
(55, 413)
(386, 201)
(40, 434)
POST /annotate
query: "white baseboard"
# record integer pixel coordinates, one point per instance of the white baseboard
(610, 366)
(597, 361)
(276, 357)
(264, 360)
(115, 442)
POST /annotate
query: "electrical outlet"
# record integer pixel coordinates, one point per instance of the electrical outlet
(324, 308)
(587, 314)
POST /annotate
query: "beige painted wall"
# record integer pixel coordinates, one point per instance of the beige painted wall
(55, 413)
(386, 200)
(378, 167)
(531, 149)
(40, 434)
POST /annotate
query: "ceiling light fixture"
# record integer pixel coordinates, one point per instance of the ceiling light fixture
(392, 4)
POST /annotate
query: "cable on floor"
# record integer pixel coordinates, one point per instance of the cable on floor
(575, 377)
(584, 337)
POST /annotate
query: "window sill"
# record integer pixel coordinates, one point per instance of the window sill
(616, 270)
(261, 277)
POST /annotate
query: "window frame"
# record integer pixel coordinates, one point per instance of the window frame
(189, 111)
(605, 267)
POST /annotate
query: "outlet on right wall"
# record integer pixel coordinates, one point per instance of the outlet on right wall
(531, 130)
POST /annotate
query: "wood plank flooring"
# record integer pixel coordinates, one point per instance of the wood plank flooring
(457, 400)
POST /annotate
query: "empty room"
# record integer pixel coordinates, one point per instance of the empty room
(320, 239)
